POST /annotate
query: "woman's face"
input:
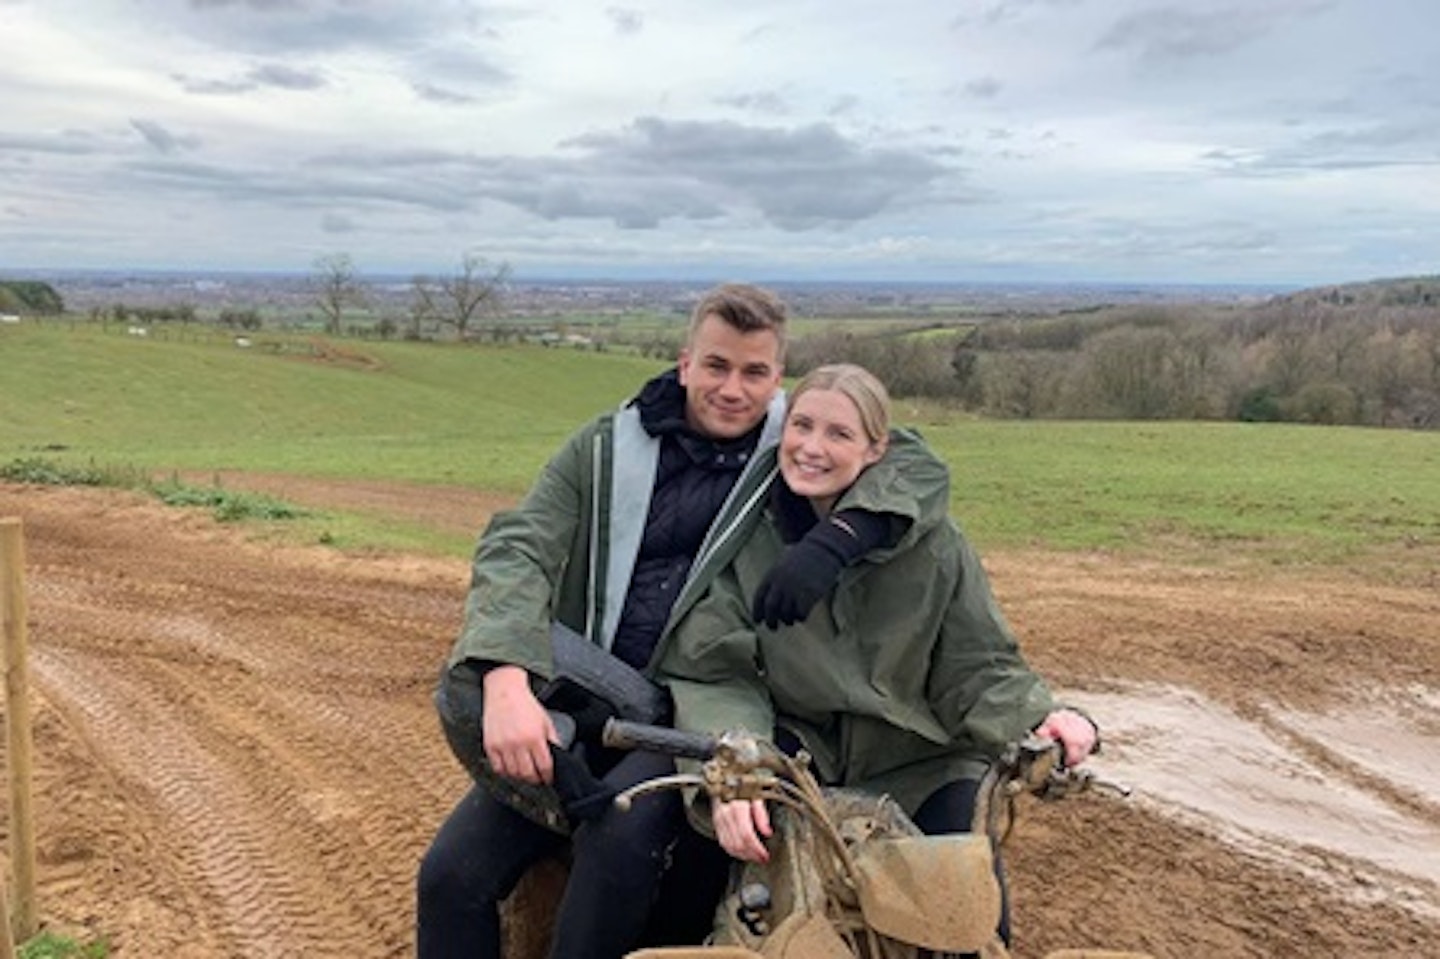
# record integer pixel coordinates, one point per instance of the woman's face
(824, 446)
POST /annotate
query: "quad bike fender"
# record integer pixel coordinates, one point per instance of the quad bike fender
(938, 892)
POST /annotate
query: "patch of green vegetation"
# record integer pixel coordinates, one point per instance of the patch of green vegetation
(49, 945)
(44, 472)
(48, 472)
(225, 505)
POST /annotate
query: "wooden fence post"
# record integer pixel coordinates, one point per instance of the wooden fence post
(24, 923)
(7, 943)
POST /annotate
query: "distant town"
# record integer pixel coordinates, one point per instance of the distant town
(86, 291)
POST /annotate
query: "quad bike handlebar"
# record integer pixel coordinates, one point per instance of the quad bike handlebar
(1036, 766)
(738, 764)
(623, 734)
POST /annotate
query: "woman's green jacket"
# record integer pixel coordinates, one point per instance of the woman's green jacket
(905, 678)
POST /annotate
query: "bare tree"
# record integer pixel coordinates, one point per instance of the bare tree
(474, 291)
(422, 307)
(1023, 384)
(336, 288)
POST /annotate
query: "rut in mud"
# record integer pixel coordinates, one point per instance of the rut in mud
(236, 753)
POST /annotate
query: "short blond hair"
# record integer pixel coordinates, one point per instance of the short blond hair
(742, 306)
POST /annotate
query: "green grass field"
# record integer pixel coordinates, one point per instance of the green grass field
(488, 417)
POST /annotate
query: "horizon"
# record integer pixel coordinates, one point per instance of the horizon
(577, 277)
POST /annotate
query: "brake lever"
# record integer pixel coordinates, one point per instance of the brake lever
(626, 798)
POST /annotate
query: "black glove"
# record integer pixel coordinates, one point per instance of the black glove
(581, 792)
(809, 568)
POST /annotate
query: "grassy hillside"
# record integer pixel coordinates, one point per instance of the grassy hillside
(485, 417)
(488, 418)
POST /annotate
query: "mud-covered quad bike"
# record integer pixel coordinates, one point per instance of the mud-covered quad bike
(849, 875)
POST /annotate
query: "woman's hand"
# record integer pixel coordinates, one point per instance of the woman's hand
(1074, 731)
(742, 826)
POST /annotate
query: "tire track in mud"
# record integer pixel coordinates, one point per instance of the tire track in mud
(201, 806)
(286, 766)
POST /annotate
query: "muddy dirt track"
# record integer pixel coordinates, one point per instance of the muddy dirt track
(236, 754)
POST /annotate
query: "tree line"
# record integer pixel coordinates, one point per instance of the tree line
(1305, 359)
(30, 297)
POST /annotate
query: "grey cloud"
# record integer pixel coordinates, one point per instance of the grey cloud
(1006, 10)
(798, 178)
(286, 78)
(1010, 9)
(458, 65)
(637, 177)
(766, 102)
(336, 223)
(557, 194)
(67, 143)
(161, 139)
(1374, 146)
(983, 88)
(656, 170)
(550, 188)
(627, 21)
(267, 75)
(205, 87)
(261, 5)
(1160, 35)
(309, 26)
(307, 187)
(435, 94)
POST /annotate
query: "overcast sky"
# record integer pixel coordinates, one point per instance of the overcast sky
(1249, 141)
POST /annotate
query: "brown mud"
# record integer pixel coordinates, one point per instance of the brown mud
(236, 756)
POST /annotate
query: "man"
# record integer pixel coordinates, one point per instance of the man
(620, 535)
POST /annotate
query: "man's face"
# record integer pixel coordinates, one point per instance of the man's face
(729, 378)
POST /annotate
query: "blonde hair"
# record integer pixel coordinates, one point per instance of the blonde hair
(863, 389)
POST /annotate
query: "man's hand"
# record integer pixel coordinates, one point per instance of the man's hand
(517, 730)
(1074, 731)
(742, 826)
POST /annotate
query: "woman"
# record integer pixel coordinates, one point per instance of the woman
(905, 680)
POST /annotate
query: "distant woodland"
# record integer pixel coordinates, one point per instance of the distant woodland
(29, 296)
(1366, 354)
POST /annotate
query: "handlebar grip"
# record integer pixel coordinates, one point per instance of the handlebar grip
(624, 734)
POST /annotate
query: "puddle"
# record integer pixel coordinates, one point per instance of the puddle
(1195, 759)
(1397, 746)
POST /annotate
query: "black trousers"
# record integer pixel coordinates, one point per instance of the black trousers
(617, 862)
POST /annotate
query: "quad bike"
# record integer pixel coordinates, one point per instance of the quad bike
(849, 876)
